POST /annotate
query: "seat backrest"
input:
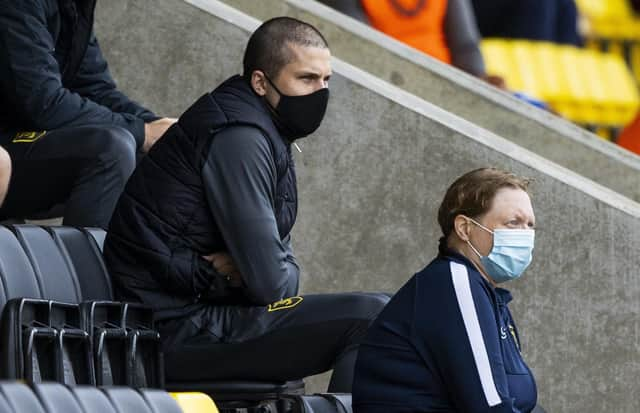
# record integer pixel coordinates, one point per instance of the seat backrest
(4, 405)
(56, 398)
(126, 400)
(20, 398)
(86, 259)
(58, 280)
(17, 277)
(91, 399)
(161, 402)
(98, 235)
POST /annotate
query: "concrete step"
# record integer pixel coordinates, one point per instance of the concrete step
(464, 95)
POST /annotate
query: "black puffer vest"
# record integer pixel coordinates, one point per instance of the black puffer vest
(162, 224)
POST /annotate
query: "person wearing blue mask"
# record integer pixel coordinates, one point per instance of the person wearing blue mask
(446, 341)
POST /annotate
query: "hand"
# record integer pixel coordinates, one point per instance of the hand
(496, 81)
(223, 264)
(154, 130)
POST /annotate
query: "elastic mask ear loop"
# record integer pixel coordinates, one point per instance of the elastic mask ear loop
(273, 84)
(474, 250)
(480, 225)
(484, 228)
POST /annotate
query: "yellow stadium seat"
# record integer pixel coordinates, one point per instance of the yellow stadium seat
(612, 19)
(585, 86)
(195, 402)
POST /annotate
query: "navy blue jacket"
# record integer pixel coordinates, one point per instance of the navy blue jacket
(446, 342)
(53, 74)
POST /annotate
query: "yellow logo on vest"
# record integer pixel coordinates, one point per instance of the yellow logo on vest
(285, 304)
(28, 137)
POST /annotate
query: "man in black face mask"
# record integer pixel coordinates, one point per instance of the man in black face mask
(202, 231)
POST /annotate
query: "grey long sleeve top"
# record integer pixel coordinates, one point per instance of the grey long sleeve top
(240, 182)
(461, 31)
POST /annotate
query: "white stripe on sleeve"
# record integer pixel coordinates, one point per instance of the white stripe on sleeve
(460, 278)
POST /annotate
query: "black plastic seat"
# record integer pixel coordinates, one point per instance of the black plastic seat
(64, 263)
(20, 398)
(92, 399)
(160, 401)
(58, 281)
(4, 405)
(86, 259)
(16, 273)
(98, 235)
(126, 400)
(56, 398)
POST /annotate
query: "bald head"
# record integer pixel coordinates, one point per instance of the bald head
(269, 48)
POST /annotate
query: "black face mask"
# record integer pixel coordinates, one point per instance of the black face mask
(300, 116)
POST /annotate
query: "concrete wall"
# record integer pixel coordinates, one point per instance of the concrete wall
(457, 92)
(371, 180)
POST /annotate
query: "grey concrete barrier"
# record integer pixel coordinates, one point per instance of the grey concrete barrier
(464, 95)
(371, 180)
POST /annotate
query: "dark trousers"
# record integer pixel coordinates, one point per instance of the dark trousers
(296, 338)
(83, 168)
(547, 20)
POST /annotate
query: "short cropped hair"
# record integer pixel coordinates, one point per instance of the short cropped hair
(269, 48)
(472, 195)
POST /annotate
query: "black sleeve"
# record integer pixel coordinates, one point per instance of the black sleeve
(94, 82)
(240, 179)
(461, 32)
(30, 76)
(293, 269)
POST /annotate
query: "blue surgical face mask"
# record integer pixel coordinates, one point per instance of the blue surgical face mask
(511, 253)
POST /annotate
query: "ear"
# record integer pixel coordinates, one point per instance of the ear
(462, 227)
(259, 82)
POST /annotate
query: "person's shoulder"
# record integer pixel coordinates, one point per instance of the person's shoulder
(243, 142)
(444, 270)
(240, 136)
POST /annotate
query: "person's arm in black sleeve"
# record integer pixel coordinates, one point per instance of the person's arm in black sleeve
(94, 81)
(463, 38)
(293, 269)
(31, 81)
(240, 178)
(467, 349)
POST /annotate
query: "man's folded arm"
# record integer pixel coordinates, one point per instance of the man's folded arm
(240, 179)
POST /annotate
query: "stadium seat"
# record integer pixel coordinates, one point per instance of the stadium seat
(59, 282)
(40, 267)
(125, 400)
(613, 19)
(4, 405)
(161, 402)
(195, 402)
(588, 87)
(20, 398)
(85, 258)
(56, 398)
(91, 399)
